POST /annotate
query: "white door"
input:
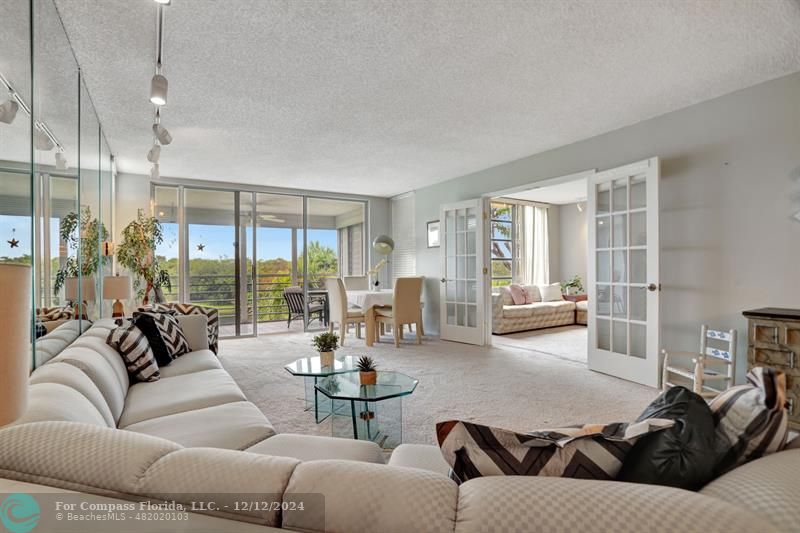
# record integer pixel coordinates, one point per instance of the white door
(461, 291)
(623, 272)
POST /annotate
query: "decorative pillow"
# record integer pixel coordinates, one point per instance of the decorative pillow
(682, 456)
(592, 451)
(164, 333)
(551, 293)
(532, 295)
(135, 350)
(751, 420)
(518, 293)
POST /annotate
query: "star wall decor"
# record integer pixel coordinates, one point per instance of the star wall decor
(201, 247)
(14, 243)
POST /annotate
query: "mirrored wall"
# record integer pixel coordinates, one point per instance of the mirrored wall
(56, 171)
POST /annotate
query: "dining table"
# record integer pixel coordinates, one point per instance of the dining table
(368, 301)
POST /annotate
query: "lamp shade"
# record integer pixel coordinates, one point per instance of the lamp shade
(71, 289)
(15, 336)
(383, 244)
(117, 288)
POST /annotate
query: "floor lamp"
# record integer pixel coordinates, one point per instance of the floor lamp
(15, 338)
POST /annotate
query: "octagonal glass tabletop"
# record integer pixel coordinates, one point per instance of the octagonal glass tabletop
(312, 366)
(348, 386)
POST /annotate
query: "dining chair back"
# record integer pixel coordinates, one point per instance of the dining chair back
(406, 304)
(339, 312)
(356, 283)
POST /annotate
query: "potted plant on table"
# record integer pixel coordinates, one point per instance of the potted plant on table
(137, 253)
(367, 373)
(326, 344)
(573, 286)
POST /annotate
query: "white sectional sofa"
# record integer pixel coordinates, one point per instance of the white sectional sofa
(509, 318)
(192, 436)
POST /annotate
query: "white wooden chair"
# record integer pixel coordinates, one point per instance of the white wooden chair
(711, 371)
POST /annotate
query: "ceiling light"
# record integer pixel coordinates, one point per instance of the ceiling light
(8, 111)
(154, 154)
(158, 90)
(162, 134)
(163, 2)
(154, 172)
(42, 141)
(61, 161)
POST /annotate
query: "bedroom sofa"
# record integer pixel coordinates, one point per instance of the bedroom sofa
(193, 436)
(510, 318)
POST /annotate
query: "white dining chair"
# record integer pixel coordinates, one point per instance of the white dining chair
(406, 309)
(339, 311)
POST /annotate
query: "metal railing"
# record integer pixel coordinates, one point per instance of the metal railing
(220, 291)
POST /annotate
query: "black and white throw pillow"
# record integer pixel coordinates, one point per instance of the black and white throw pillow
(164, 333)
(132, 345)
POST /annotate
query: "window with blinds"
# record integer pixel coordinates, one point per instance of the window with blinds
(404, 257)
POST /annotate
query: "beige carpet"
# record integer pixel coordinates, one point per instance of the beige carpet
(565, 342)
(507, 386)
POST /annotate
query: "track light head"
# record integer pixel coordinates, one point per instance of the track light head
(158, 90)
(154, 154)
(61, 161)
(8, 111)
(162, 134)
(154, 172)
(164, 2)
(41, 141)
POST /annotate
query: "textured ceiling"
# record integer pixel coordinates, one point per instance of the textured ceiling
(381, 97)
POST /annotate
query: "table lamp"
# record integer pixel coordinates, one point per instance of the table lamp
(15, 338)
(87, 294)
(117, 288)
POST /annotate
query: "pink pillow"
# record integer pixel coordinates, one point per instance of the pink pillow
(518, 293)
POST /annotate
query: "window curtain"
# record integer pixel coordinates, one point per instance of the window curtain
(541, 247)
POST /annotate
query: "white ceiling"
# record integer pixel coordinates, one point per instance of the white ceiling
(563, 193)
(385, 97)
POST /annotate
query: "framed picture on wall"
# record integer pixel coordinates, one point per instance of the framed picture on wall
(433, 234)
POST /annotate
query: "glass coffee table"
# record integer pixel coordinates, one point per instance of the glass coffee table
(311, 369)
(368, 412)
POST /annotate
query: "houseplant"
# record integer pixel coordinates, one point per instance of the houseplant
(573, 286)
(136, 253)
(367, 370)
(326, 344)
(84, 235)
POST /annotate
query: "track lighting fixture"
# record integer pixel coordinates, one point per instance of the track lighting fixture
(61, 161)
(164, 2)
(160, 131)
(154, 154)
(158, 89)
(154, 172)
(41, 141)
(8, 111)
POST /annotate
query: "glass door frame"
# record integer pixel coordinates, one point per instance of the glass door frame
(183, 241)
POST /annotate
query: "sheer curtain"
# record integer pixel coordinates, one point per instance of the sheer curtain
(534, 246)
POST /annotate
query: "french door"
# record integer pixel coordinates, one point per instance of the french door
(461, 290)
(623, 272)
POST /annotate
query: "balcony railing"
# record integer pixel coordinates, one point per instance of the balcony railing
(220, 291)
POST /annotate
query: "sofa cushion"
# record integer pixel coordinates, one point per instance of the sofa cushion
(583, 305)
(95, 342)
(365, 497)
(191, 362)
(551, 292)
(135, 350)
(66, 374)
(590, 451)
(178, 394)
(101, 372)
(422, 456)
(518, 311)
(533, 294)
(233, 426)
(195, 329)
(312, 448)
(537, 309)
(519, 503)
(767, 487)
(57, 402)
(58, 340)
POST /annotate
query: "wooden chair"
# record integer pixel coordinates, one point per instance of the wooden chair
(340, 313)
(714, 363)
(356, 283)
(296, 303)
(406, 309)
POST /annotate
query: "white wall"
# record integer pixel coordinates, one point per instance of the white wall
(573, 242)
(554, 239)
(730, 178)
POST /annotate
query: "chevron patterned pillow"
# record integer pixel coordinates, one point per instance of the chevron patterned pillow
(132, 345)
(164, 333)
(591, 451)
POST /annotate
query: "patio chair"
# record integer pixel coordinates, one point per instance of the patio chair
(296, 302)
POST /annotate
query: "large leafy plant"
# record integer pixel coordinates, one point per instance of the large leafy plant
(84, 235)
(136, 253)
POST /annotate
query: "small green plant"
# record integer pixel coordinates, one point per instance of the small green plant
(82, 234)
(326, 342)
(137, 253)
(575, 283)
(366, 364)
